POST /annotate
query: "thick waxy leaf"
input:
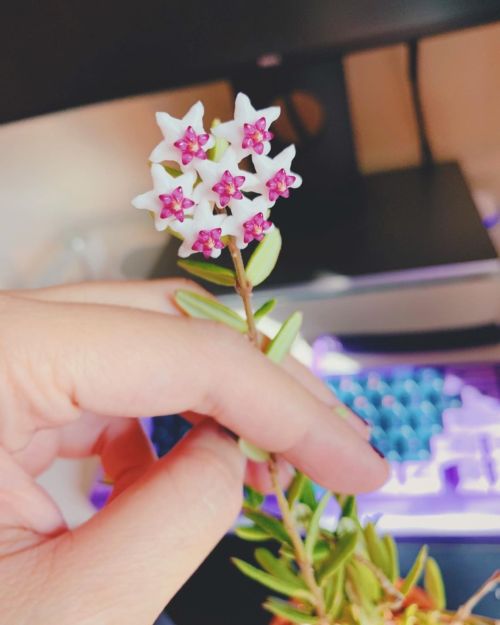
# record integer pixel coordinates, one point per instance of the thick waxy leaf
(348, 506)
(433, 583)
(296, 487)
(289, 612)
(172, 171)
(208, 271)
(264, 258)
(415, 572)
(274, 566)
(264, 310)
(339, 556)
(278, 585)
(253, 498)
(365, 581)
(321, 550)
(281, 344)
(269, 524)
(216, 152)
(251, 533)
(307, 496)
(393, 557)
(334, 594)
(196, 305)
(313, 529)
(376, 549)
(252, 452)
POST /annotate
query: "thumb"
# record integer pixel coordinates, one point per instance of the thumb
(127, 562)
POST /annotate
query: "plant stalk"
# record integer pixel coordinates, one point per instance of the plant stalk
(304, 563)
(244, 289)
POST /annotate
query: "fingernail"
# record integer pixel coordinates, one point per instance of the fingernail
(367, 423)
(343, 412)
(228, 432)
(377, 451)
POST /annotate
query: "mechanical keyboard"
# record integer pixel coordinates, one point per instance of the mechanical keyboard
(439, 427)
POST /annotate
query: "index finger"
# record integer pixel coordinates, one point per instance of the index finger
(112, 360)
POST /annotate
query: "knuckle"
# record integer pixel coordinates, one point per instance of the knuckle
(220, 485)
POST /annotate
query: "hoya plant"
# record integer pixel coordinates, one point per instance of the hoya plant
(215, 191)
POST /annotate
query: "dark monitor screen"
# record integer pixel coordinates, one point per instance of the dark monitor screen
(58, 54)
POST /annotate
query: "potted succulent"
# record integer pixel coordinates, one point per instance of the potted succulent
(206, 194)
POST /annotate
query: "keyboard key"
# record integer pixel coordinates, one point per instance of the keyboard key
(422, 478)
(473, 477)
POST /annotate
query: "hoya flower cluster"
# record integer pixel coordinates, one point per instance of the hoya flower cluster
(205, 201)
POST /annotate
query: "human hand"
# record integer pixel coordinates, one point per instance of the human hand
(78, 365)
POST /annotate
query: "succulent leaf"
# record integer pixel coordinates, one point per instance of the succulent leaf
(208, 271)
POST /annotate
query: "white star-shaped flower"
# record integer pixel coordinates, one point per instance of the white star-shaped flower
(170, 199)
(248, 133)
(203, 233)
(222, 182)
(249, 220)
(273, 176)
(185, 141)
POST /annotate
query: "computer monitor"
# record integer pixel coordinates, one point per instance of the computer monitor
(59, 55)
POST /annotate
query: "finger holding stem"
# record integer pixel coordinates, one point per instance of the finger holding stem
(244, 289)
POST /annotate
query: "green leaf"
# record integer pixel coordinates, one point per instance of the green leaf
(393, 557)
(339, 556)
(289, 612)
(415, 572)
(172, 170)
(320, 551)
(196, 305)
(278, 585)
(264, 310)
(251, 533)
(410, 614)
(279, 347)
(308, 496)
(365, 582)
(216, 152)
(253, 498)
(334, 594)
(434, 585)
(269, 524)
(264, 258)
(252, 452)
(208, 271)
(313, 528)
(348, 506)
(296, 487)
(376, 549)
(274, 566)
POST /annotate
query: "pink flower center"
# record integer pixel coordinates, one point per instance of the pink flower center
(279, 184)
(175, 204)
(207, 241)
(254, 136)
(228, 187)
(255, 228)
(191, 145)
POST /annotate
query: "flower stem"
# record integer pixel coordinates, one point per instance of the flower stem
(303, 561)
(244, 289)
(465, 610)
